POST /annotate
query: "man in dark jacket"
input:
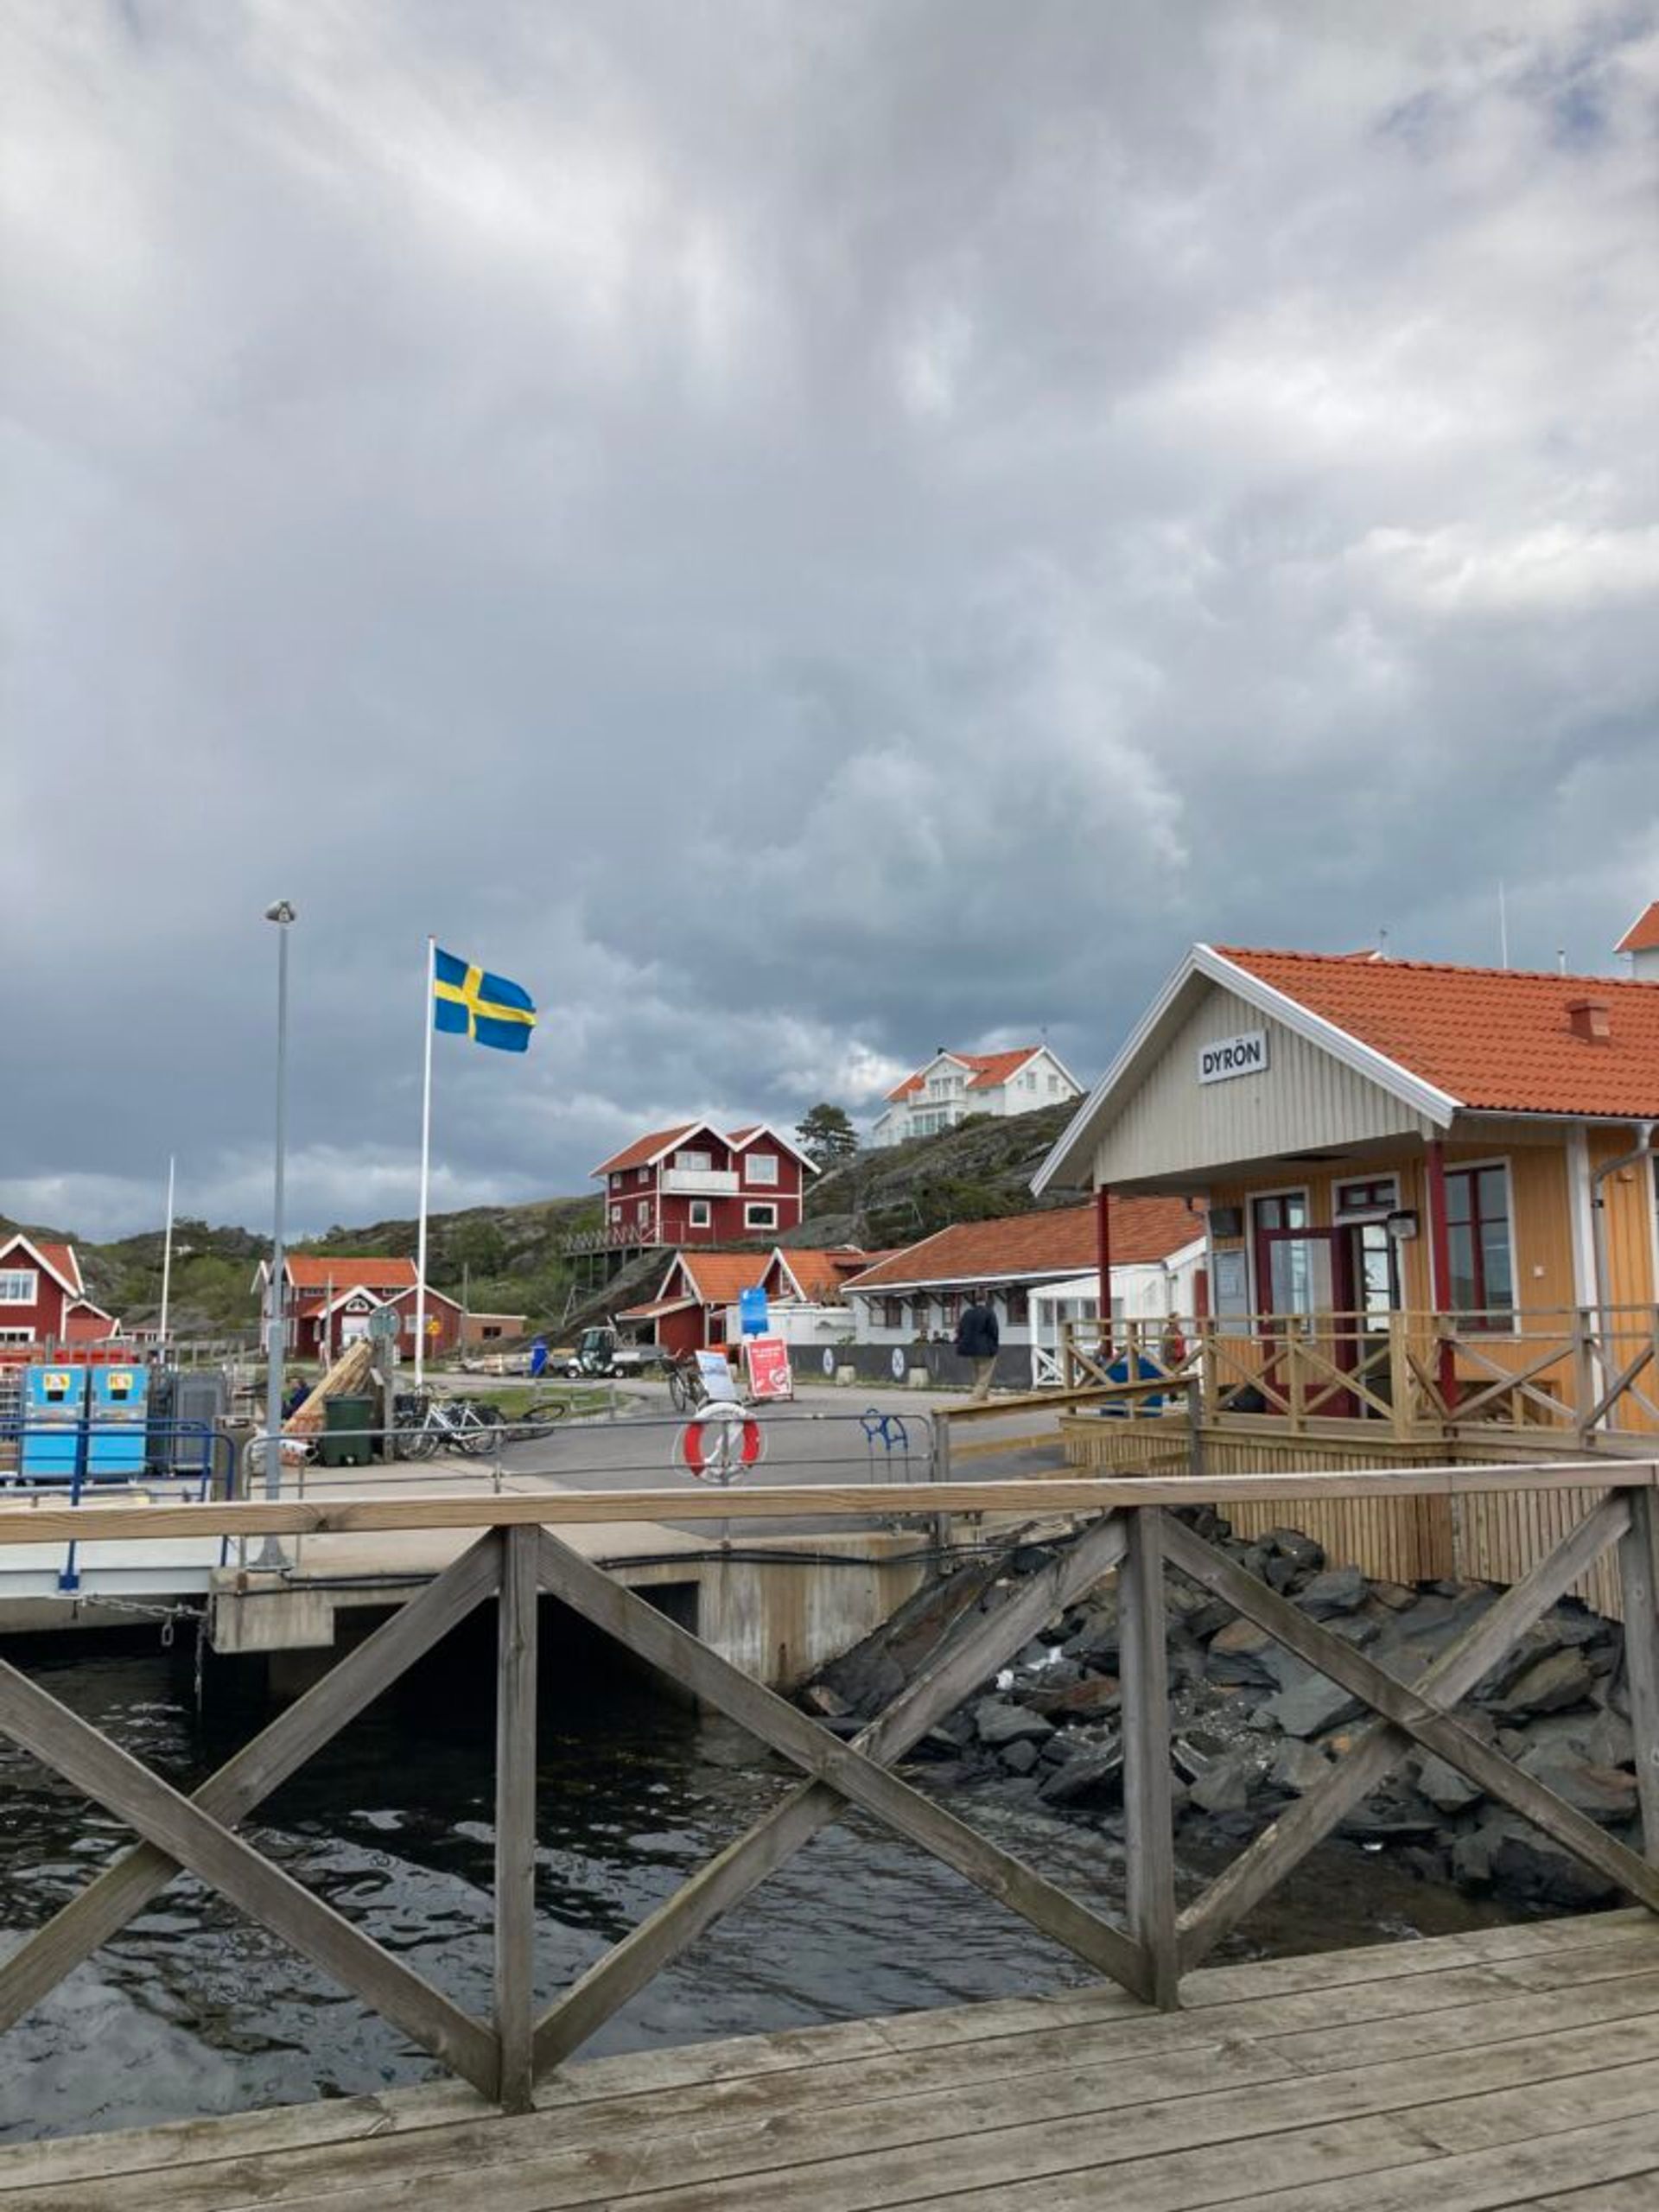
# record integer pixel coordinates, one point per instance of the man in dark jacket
(977, 1338)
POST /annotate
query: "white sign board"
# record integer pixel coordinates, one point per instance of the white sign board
(717, 1378)
(1225, 1056)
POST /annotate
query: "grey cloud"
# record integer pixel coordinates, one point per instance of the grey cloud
(795, 532)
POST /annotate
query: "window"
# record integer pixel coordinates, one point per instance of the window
(1293, 1263)
(699, 1214)
(491, 1329)
(16, 1336)
(1367, 1201)
(19, 1286)
(696, 1163)
(893, 1312)
(763, 1167)
(1478, 1234)
(1019, 1308)
(1053, 1086)
(760, 1213)
(642, 1174)
(616, 1214)
(642, 1212)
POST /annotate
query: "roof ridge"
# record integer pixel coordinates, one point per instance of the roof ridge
(1388, 963)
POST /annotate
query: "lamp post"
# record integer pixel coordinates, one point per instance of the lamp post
(283, 914)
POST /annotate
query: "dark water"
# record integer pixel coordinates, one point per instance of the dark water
(193, 2010)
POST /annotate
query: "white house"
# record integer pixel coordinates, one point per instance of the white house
(1038, 1267)
(952, 1085)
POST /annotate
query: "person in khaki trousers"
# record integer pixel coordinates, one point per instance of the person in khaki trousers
(977, 1338)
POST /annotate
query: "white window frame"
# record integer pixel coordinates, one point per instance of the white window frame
(31, 1277)
(755, 1207)
(16, 1336)
(700, 1214)
(695, 1163)
(1344, 1217)
(763, 1167)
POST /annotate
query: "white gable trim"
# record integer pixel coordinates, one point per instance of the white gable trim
(777, 1137)
(1203, 962)
(76, 1289)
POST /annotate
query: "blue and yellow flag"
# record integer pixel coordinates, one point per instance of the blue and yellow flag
(469, 1001)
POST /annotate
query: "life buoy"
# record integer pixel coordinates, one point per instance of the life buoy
(705, 1453)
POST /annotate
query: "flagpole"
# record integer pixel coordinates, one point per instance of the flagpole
(167, 1257)
(426, 1166)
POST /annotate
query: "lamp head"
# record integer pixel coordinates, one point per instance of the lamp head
(281, 911)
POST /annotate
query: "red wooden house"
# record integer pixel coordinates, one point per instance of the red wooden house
(329, 1298)
(691, 1184)
(42, 1298)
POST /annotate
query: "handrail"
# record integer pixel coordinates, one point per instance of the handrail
(1125, 1528)
(1024, 1498)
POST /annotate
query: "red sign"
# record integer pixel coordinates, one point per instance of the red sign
(768, 1362)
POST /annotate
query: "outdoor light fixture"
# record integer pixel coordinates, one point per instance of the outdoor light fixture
(1401, 1224)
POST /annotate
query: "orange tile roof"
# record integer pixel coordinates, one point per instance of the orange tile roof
(342, 1272)
(1642, 935)
(821, 1271)
(1498, 1040)
(1059, 1242)
(988, 1070)
(645, 1149)
(720, 1276)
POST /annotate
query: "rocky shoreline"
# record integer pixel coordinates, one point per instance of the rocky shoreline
(1254, 1727)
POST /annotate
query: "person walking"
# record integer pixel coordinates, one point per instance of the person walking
(977, 1340)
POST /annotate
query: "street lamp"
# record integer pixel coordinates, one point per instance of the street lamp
(282, 913)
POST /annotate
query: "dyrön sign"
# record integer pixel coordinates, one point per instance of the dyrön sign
(1226, 1057)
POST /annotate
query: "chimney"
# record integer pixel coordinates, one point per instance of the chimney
(1591, 1020)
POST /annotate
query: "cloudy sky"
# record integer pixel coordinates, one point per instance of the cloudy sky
(798, 529)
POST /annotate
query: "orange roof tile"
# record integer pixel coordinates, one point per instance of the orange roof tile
(645, 1149)
(341, 1271)
(821, 1271)
(1498, 1040)
(58, 1259)
(1059, 1242)
(988, 1070)
(719, 1277)
(1642, 935)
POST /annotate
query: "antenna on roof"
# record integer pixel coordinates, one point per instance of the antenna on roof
(1561, 960)
(1503, 929)
(1382, 943)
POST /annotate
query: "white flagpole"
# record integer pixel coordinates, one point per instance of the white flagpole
(166, 1256)
(426, 1166)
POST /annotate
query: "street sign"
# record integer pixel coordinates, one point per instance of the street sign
(752, 1311)
(385, 1321)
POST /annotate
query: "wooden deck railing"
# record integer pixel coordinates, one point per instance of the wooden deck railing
(1576, 1373)
(1128, 1527)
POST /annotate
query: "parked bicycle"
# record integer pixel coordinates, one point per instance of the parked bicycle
(426, 1425)
(686, 1387)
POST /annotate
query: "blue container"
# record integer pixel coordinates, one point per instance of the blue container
(116, 1431)
(55, 1404)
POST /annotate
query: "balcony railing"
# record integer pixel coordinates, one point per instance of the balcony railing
(700, 1182)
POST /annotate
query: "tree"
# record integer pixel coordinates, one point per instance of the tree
(827, 1134)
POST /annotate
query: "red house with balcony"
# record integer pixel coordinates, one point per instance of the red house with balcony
(42, 1298)
(692, 1185)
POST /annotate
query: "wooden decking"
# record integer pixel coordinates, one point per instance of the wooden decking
(1516, 2067)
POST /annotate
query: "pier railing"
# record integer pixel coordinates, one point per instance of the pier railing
(1132, 1528)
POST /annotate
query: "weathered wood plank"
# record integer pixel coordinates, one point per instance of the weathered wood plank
(69, 1746)
(1148, 1816)
(729, 1878)
(106, 1904)
(1409, 1709)
(515, 1815)
(1378, 1746)
(51, 1525)
(1638, 1565)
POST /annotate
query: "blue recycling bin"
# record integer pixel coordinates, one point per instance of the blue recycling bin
(117, 1421)
(55, 1405)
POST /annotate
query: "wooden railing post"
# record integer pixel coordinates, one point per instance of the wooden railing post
(1147, 1813)
(1296, 1378)
(515, 1815)
(1583, 1374)
(1399, 1374)
(1638, 1568)
(1208, 1376)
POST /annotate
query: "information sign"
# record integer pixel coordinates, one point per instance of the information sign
(769, 1370)
(752, 1311)
(719, 1386)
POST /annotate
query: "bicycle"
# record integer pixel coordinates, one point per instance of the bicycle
(525, 1427)
(464, 1424)
(686, 1390)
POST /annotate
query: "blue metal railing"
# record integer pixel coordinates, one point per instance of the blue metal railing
(196, 1459)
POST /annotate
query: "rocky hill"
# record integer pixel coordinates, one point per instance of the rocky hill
(508, 1259)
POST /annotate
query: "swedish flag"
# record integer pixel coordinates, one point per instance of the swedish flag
(469, 1001)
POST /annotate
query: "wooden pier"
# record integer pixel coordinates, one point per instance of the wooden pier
(1519, 2067)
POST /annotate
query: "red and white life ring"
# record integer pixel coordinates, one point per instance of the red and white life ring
(720, 1442)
